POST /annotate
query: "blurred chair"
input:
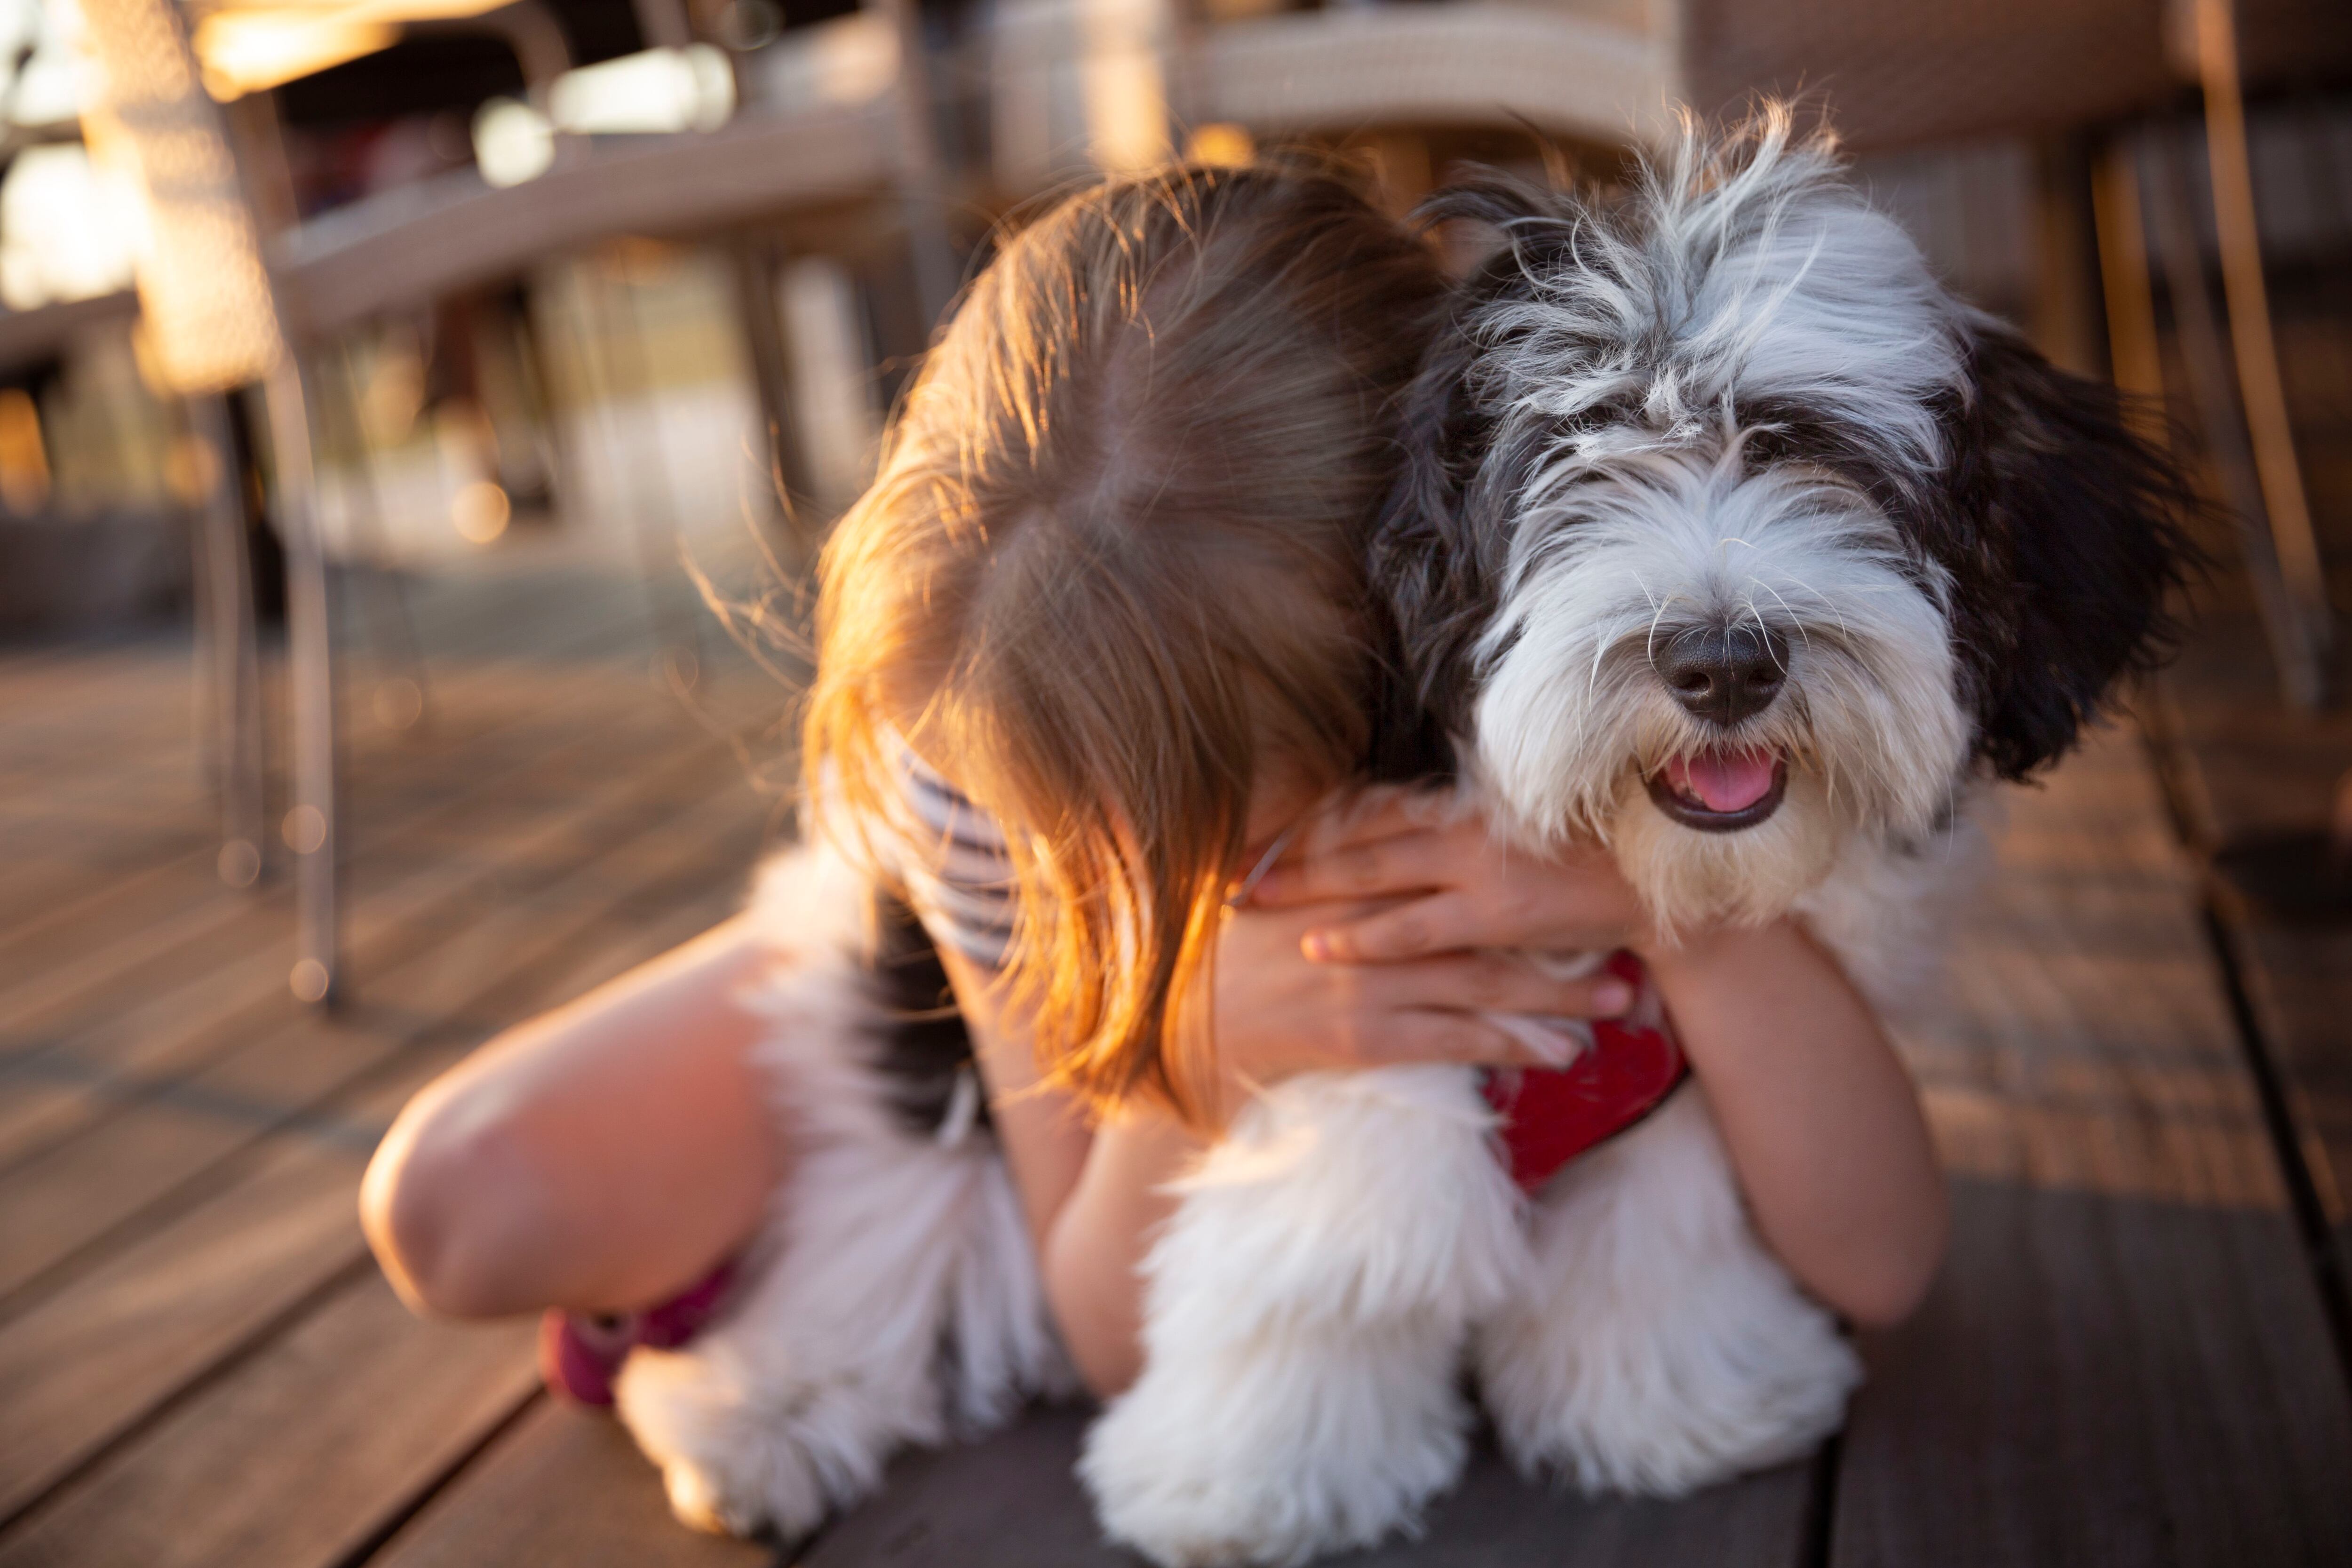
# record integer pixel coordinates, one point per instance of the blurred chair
(211, 322)
(406, 247)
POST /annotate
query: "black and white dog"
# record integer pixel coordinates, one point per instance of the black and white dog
(1729, 539)
(1733, 541)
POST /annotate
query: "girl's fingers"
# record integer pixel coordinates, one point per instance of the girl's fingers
(1382, 812)
(1402, 863)
(1452, 921)
(1410, 1039)
(1415, 1038)
(1441, 922)
(1490, 983)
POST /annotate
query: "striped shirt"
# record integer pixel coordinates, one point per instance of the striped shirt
(957, 874)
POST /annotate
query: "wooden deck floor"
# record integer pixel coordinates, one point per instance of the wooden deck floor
(2133, 1358)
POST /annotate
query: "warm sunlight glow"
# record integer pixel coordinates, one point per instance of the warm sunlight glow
(248, 51)
(1226, 145)
(24, 457)
(249, 47)
(207, 320)
(480, 511)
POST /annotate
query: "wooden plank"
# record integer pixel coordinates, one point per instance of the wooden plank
(188, 1003)
(88, 1363)
(558, 635)
(2102, 1381)
(2126, 1360)
(296, 1460)
(1014, 1502)
(563, 1487)
(79, 1367)
(2301, 984)
(48, 958)
(2244, 768)
(60, 1202)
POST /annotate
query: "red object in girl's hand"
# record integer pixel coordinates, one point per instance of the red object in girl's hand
(1550, 1115)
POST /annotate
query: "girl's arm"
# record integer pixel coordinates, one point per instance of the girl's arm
(1096, 1200)
(1819, 1116)
(1093, 1197)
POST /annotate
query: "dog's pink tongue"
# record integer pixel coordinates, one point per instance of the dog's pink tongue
(1722, 781)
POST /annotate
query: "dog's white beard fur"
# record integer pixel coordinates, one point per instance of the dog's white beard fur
(1572, 717)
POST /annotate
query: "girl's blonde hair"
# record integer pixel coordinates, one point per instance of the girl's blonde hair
(1113, 560)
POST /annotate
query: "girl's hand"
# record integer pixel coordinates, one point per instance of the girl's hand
(1448, 885)
(1278, 1014)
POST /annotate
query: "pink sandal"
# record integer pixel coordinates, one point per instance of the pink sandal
(580, 1353)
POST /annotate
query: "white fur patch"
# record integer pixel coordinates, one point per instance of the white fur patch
(1655, 1345)
(1758, 276)
(893, 1297)
(1306, 1314)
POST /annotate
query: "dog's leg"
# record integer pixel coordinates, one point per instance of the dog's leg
(1306, 1311)
(1655, 1345)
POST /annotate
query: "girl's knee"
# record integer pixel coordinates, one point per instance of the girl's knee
(450, 1192)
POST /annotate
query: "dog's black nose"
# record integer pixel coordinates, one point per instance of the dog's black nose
(1724, 673)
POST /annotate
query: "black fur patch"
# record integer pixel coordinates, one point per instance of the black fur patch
(1438, 552)
(924, 1046)
(2061, 530)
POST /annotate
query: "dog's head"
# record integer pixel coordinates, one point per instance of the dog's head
(1726, 533)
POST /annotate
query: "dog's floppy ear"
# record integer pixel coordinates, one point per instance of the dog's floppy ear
(2069, 539)
(1430, 557)
(1437, 555)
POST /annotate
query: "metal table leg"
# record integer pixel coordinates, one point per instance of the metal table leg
(309, 825)
(229, 651)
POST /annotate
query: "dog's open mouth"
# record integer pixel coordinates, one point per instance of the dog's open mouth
(1721, 792)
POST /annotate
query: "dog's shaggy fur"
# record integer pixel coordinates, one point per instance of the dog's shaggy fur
(1731, 410)
(892, 1298)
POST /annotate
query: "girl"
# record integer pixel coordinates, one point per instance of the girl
(1109, 583)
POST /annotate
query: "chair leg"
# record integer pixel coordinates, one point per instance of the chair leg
(922, 182)
(404, 700)
(2299, 654)
(617, 365)
(311, 825)
(2259, 381)
(2126, 213)
(228, 650)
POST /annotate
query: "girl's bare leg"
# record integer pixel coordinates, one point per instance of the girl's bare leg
(601, 1157)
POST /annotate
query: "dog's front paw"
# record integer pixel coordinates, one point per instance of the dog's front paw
(1667, 1406)
(1329, 1442)
(1658, 1347)
(730, 1465)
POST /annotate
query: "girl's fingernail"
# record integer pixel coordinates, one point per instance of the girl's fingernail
(1316, 946)
(1611, 996)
